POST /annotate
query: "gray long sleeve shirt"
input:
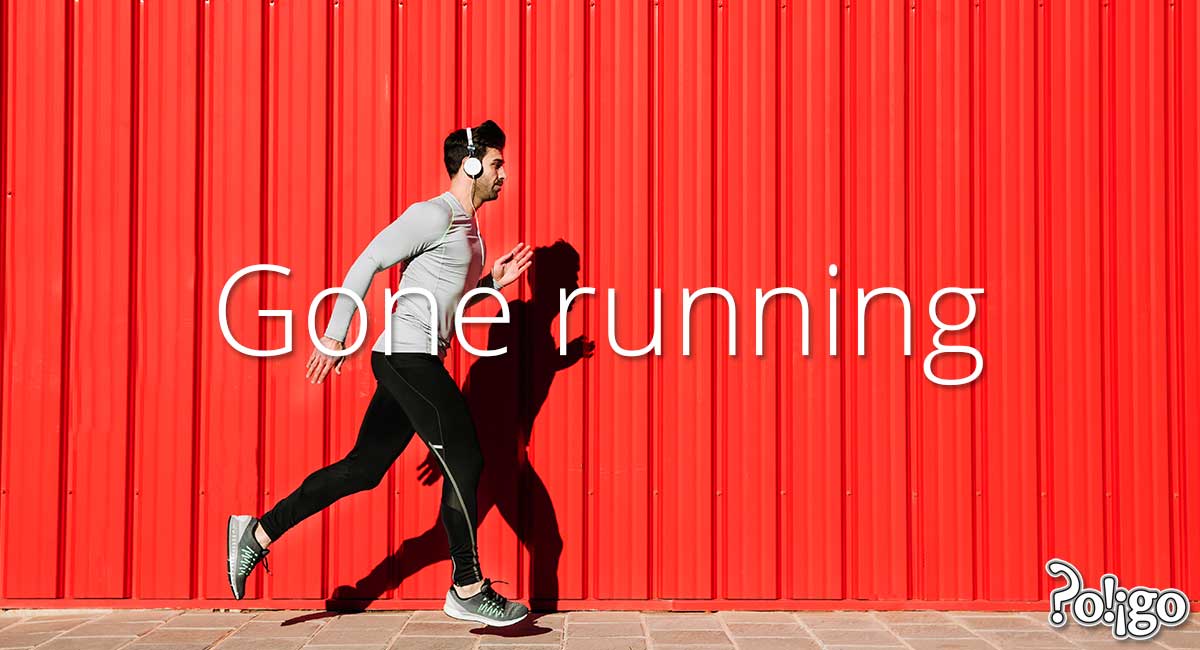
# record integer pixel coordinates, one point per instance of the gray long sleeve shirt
(445, 255)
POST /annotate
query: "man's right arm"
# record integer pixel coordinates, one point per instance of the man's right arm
(419, 228)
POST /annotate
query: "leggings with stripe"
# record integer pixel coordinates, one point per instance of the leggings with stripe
(414, 393)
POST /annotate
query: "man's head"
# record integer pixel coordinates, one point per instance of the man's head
(488, 139)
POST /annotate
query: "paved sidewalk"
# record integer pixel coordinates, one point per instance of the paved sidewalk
(292, 630)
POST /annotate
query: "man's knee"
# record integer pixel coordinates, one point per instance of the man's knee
(360, 474)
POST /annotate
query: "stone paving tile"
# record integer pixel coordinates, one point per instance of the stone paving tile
(840, 621)
(138, 645)
(24, 639)
(268, 629)
(616, 643)
(209, 619)
(101, 627)
(859, 637)
(294, 614)
(459, 628)
(1118, 644)
(235, 643)
(184, 635)
(64, 615)
(1025, 639)
(919, 616)
(355, 636)
(1081, 633)
(551, 621)
(950, 644)
(766, 629)
(429, 616)
(604, 617)
(777, 644)
(864, 647)
(670, 621)
(1178, 638)
(587, 629)
(690, 637)
(37, 625)
(86, 643)
(1009, 622)
(369, 622)
(931, 631)
(758, 617)
(524, 636)
(138, 615)
(424, 643)
(550, 639)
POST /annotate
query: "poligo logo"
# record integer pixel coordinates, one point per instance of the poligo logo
(1136, 613)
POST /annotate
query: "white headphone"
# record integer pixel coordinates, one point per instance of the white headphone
(473, 166)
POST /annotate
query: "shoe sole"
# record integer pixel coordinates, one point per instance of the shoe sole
(454, 610)
(237, 525)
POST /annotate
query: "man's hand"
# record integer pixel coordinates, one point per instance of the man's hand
(511, 265)
(429, 471)
(319, 364)
(580, 347)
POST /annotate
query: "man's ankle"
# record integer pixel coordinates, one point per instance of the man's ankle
(261, 535)
(467, 591)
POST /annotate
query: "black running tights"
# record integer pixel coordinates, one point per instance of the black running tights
(414, 393)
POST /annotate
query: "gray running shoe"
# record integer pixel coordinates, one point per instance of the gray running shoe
(487, 607)
(244, 552)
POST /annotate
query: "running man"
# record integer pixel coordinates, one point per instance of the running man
(440, 240)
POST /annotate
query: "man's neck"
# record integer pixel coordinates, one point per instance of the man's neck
(461, 189)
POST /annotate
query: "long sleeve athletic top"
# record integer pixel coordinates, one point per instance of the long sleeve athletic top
(445, 255)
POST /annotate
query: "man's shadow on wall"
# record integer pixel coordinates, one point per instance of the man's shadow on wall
(505, 394)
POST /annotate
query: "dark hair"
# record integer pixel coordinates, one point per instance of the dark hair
(488, 134)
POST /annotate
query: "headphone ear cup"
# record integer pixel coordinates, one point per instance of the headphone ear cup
(473, 167)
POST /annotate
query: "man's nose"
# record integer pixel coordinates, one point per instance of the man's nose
(502, 174)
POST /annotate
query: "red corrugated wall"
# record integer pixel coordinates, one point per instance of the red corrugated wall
(1044, 151)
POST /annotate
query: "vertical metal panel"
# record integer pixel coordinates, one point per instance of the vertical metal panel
(35, 295)
(811, 207)
(361, 185)
(296, 434)
(230, 239)
(1135, 296)
(98, 405)
(167, 319)
(939, 205)
(430, 95)
(1008, 453)
(877, 436)
(493, 32)
(1047, 152)
(1184, 238)
(684, 415)
(619, 225)
(555, 61)
(747, 258)
(1068, 290)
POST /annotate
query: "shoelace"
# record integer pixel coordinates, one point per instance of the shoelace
(248, 558)
(490, 595)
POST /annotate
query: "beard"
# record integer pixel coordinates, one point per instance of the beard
(489, 191)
